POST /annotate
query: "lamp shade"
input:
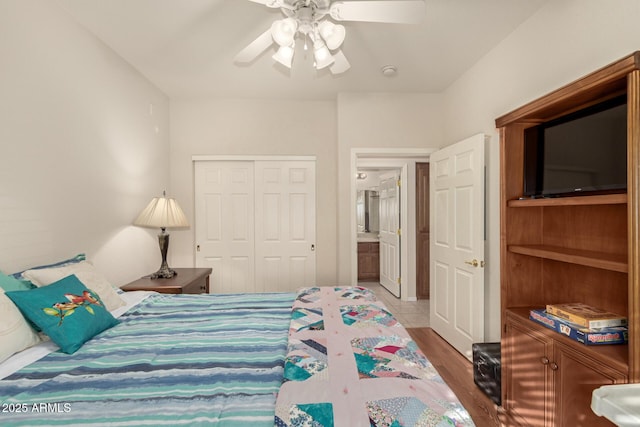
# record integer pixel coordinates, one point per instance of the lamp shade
(322, 55)
(332, 34)
(284, 31)
(284, 55)
(162, 212)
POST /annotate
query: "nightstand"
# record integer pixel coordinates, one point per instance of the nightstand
(187, 281)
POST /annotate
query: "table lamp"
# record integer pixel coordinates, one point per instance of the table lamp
(163, 213)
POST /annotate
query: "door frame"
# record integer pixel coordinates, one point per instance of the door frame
(401, 158)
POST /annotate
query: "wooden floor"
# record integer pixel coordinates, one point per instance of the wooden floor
(457, 372)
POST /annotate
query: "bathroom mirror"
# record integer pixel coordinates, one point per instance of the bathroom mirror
(367, 205)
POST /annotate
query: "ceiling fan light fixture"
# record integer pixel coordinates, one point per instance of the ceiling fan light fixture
(322, 55)
(284, 55)
(284, 31)
(315, 20)
(332, 34)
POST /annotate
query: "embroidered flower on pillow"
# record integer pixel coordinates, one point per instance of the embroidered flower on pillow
(64, 309)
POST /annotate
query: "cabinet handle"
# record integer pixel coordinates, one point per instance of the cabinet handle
(554, 366)
(544, 360)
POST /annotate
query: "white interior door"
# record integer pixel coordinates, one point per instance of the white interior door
(224, 224)
(285, 225)
(457, 243)
(255, 224)
(390, 233)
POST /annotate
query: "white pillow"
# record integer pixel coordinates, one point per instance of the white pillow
(15, 332)
(86, 273)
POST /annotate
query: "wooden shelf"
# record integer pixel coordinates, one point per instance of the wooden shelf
(616, 355)
(540, 262)
(612, 262)
(604, 199)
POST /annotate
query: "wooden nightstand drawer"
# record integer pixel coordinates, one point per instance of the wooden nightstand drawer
(187, 281)
(197, 287)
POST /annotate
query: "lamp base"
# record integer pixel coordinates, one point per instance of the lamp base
(164, 273)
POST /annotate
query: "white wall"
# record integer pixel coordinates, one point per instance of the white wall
(563, 41)
(79, 150)
(286, 127)
(256, 127)
(81, 156)
(378, 120)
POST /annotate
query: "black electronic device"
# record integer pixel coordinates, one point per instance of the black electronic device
(584, 152)
(486, 370)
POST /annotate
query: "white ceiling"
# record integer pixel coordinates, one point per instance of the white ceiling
(186, 47)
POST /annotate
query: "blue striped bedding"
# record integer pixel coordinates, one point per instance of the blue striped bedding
(173, 360)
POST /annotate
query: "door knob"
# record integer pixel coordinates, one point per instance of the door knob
(473, 262)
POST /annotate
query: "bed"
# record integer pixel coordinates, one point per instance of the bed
(322, 356)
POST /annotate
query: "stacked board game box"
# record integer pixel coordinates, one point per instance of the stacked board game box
(587, 336)
(586, 315)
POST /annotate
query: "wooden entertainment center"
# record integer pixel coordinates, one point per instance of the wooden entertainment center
(567, 249)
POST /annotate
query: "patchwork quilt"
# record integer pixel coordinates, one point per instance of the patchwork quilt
(350, 363)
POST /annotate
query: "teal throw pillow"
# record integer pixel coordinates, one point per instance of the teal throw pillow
(10, 283)
(65, 310)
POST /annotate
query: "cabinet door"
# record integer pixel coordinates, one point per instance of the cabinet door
(368, 261)
(364, 261)
(576, 377)
(528, 380)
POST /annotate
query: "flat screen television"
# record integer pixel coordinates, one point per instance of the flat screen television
(582, 153)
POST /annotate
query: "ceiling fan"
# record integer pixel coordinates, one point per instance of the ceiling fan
(308, 20)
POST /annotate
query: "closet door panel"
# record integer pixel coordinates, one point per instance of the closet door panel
(285, 206)
(224, 224)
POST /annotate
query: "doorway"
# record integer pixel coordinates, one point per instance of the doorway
(378, 218)
(405, 161)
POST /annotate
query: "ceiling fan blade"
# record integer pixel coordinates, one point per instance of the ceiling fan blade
(340, 63)
(388, 11)
(270, 3)
(255, 48)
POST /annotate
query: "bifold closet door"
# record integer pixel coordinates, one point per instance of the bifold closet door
(255, 224)
(224, 224)
(285, 225)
